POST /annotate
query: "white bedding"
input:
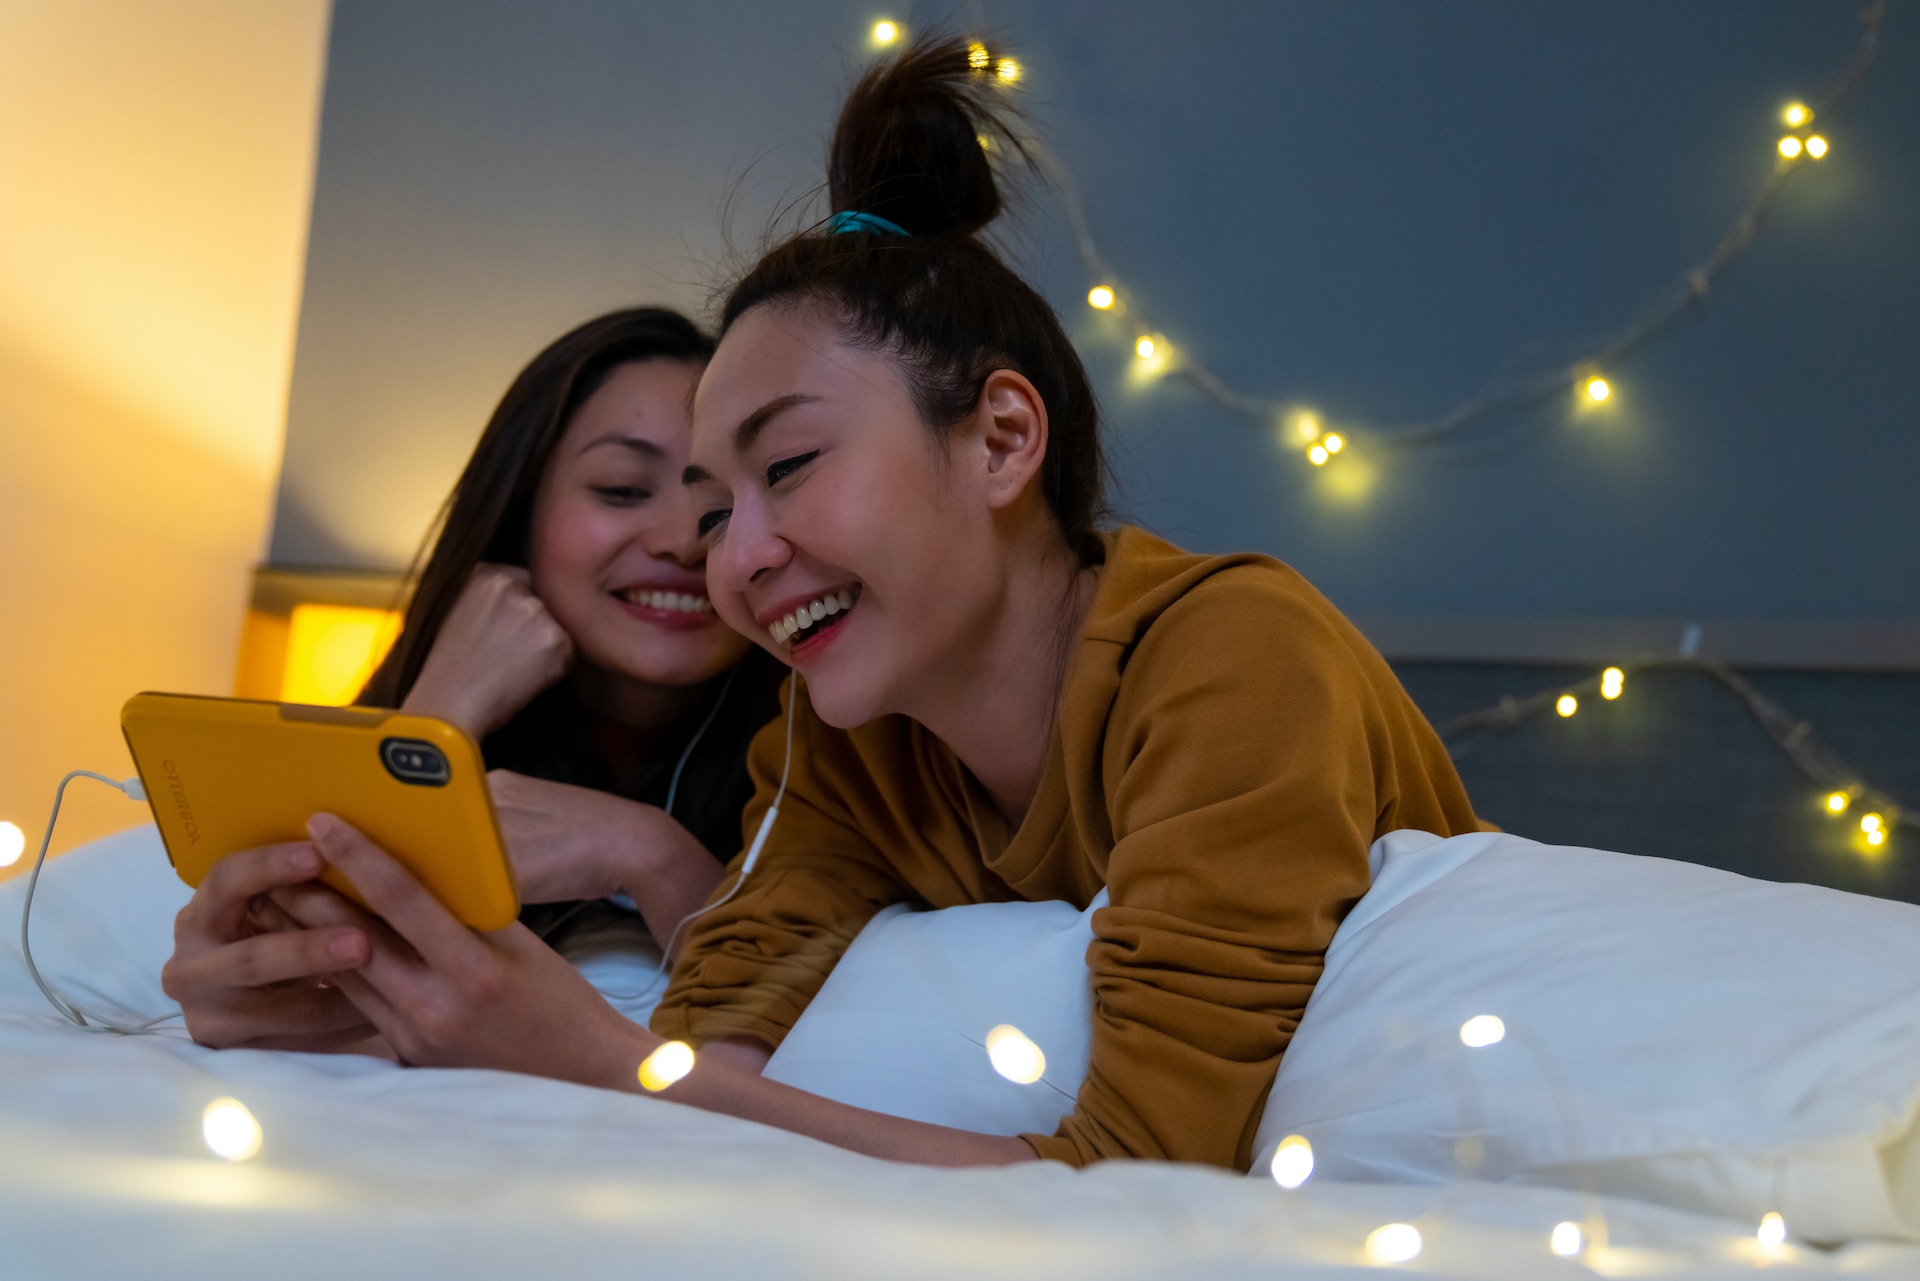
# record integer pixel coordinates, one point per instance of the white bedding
(370, 1169)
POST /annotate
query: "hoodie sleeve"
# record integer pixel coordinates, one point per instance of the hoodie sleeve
(750, 966)
(1248, 760)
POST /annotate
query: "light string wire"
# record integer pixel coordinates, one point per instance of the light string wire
(1501, 396)
(1795, 739)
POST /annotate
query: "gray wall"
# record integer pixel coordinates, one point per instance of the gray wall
(1366, 207)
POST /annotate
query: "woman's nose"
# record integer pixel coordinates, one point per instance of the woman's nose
(675, 535)
(749, 548)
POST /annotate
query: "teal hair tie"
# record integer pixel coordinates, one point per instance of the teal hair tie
(852, 220)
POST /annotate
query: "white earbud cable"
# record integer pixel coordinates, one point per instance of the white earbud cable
(73, 1013)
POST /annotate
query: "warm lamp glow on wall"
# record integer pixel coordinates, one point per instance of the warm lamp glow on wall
(332, 650)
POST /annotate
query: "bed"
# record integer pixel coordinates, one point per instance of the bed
(368, 1168)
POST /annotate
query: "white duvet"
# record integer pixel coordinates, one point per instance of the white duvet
(373, 1170)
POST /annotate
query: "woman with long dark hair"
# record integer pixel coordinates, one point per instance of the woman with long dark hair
(561, 618)
(897, 467)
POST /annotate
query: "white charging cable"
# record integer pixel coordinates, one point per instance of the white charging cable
(758, 843)
(73, 1013)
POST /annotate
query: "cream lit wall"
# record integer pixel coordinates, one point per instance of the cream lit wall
(158, 163)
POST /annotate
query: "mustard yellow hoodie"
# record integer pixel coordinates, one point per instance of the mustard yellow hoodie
(1226, 748)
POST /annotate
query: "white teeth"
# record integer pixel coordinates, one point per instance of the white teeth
(678, 602)
(807, 615)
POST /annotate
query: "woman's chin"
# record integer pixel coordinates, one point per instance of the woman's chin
(841, 704)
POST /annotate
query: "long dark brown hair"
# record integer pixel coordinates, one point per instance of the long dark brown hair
(488, 517)
(910, 147)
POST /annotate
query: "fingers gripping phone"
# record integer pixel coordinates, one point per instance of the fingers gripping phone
(228, 774)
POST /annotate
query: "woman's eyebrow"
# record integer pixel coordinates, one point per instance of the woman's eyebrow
(638, 444)
(749, 431)
(756, 422)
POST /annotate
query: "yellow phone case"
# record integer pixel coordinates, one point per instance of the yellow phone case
(229, 774)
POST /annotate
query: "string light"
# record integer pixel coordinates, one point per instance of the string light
(1318, 455)
(885, 32)
(1008, 70)
(13, 843)
(1394, 1243)
(1526, 391)
(1796, 115)
(230, 1131)
(1567, 1239)
(1292, 1162)
(977, 56)
(1334, 442)
(1793, 737)
(1145, 348)
(667, 1064)
(1482, 1030)
(1014, 1056)
(1773, 1230)
(1100, 297)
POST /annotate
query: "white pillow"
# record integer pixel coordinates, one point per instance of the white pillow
(1674, 1033)
(901, 1024)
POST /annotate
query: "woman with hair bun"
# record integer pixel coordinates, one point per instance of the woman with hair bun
(897, 471)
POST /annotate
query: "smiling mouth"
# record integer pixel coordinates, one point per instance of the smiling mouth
(673, 602)
(817, 615)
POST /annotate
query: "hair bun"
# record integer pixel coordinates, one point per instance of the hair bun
(907, 145)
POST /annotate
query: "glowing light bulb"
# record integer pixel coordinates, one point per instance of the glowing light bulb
(1837, 802)
(1292, 1162)
(1612, 682)
(1145, 348)
(1100, 297)
(1817, 146)
(977, 56)
(1482, 1030)
(13, 843)
(1773, 1230)
(1790, 146)
(1566, 705)
(1014, 1056)
(1394, 1243)
(1871, 823)
(986, 143)
(665, 1065)
(1008, 70)
(1334, 442)
(885, 32)
(1876, 837)
(1796, 115)
(1318, 455)
(230, 1130)
(1598, 389)
(1567, 1239)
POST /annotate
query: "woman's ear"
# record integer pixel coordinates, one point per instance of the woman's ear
(1013, 436)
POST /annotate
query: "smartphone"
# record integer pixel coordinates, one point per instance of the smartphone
(229, 774)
